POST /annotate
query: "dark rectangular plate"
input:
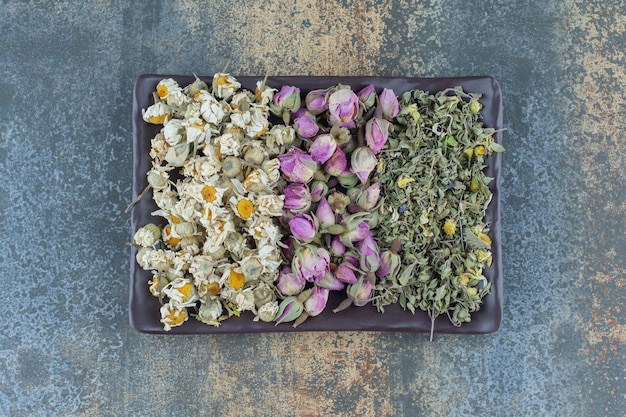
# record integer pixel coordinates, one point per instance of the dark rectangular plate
(144, 308)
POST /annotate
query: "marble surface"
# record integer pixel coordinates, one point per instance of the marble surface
(67, 73)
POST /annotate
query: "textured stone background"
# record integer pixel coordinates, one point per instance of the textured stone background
(67, 71)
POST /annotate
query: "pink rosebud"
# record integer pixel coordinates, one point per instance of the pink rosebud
(377, 133)
(337, 248)
(303, 227)
(369, 254)
(297, 165)
(291, 308)
(337, 163)
(344, 108)
(324, 213)
(317, 101)
(297, 197)
(311, 263)
(316, 303)
(363, 162)
(289, 283)
(367, 96)
(368, 198)
(356, 234)
(322, 148)
(305, 126)
(388, 105)
(390, 261)
(319, 189)
(345, 273)
(361, 292)
(287, 99)
(331, 282)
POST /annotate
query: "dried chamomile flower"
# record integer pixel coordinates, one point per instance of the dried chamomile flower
(267, 312)
(210, 312)
(148, 235)
(174, 132)
(181, 292)
(157, 114)
(173, 315)
(169, 91)
(270, 205)
(158, 148)
(263, 93)
(212, 110)
(225, 85)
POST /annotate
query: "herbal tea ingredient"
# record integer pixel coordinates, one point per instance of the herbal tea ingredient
(215, 179)
(434, 196)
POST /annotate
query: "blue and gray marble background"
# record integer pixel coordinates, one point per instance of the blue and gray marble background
(67, 71)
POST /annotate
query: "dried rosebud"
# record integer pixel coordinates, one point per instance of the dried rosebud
(287, 99)
(303, 227)
(338, 201)
(337, 163)
(337, 248)
(390, 261)
(367, 96)
(319, 189)
(297, 197)
(388, 105)
(316, 303)
(297, 165)
(311, 263)
(322, 148)
(305, 126)
(377, 133)
(348, 179)
(363, 161)
(324, 213)
(369, 254)
(366, 199)
(343, 108)
(357, 231)
(345, 273)
(289, 283)
(316, 101)
(331, 282)
(360, 292)
(289, 310)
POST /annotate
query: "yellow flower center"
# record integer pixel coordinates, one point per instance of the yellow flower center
(236, 279)
(463, 279)
(176, 317)
(222, 80)
(175, 219)
(162, 91)
(209, 194)
(185, 290)
(471, 291)
(207, 213)
(473, 185)
(480, 150)
(157, 120)
(260, 132)
(245, 208)
(213, 288)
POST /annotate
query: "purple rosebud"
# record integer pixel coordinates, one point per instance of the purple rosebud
(360, 232)
(297, 165)
(316, 303)
(390, 261)
(319, 189)
(369, 254)
(345, 273)
(303, 227)
(305, 126)
(343, 108)
(331, 282)
(324, 213)
(289, 310)
(368, 198)
(297, 197)
(377, 133)
(288, 98)
(289, 283)
(361, 292)
(322, 148)
(337, 163)
(363, 162)
(311, 263)
(388, 105)
(367, 96)
(337, 248)
(317, 101)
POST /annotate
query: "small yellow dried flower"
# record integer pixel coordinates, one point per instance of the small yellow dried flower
(245, 208)
(449, 227)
